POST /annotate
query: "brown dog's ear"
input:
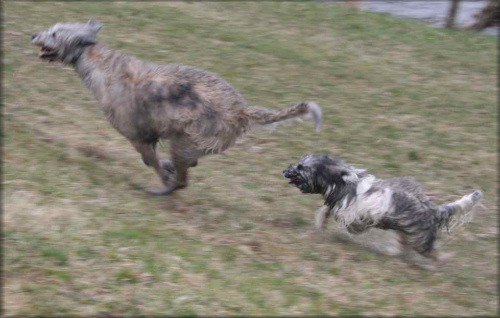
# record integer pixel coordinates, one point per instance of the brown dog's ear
(87, 36)
(94, 25)
(85, 39)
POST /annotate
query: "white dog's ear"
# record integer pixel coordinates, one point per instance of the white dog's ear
(359, 171)
(349, 176)
(95, 25)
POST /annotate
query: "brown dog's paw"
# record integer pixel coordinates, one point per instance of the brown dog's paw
(167, 166)
(165, 190)
(159, 191)
(168, 173)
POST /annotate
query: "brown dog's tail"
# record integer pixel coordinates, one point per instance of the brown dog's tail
(263, 116)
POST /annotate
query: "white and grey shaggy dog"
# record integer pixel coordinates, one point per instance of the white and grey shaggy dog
(359, 201)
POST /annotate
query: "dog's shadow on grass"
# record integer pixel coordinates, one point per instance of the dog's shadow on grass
(383, 244)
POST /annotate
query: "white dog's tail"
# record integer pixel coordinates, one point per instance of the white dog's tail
(265, 116)
(459, 211)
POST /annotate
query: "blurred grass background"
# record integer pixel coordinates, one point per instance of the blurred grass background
(399, 98)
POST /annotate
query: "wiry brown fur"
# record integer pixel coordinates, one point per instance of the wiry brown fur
(196, 110)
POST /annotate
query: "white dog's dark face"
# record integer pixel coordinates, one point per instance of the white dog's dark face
(314, 173)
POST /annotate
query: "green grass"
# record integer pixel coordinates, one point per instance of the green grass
(64, 275)
(126, 275)
(59, 256)
(399, 98)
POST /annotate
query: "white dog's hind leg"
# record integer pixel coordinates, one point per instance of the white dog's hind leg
(384, 242)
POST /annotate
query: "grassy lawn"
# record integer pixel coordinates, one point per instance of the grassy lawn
(399, 97)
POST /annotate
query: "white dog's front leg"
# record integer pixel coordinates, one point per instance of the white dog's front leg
(321, 218)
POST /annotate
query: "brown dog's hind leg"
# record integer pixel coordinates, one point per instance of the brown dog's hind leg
(173, 174)
(164, 168)
(184, 156)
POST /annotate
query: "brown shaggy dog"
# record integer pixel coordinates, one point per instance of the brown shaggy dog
(196, 110)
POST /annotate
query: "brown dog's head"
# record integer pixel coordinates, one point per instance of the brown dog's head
(65, 42)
